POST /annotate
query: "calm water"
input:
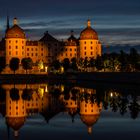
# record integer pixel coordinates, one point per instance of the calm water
(58, 111)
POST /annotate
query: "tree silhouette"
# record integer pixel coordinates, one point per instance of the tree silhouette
(2, 94)
(2, 63)
(74, 64)
(56, 64)
(134, 108)
(14, 64)
(27, 63)
(66, 64)
(14, 94)
(27, 94)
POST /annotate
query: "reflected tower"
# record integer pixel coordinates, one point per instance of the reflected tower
(89, 110)
(15, 110)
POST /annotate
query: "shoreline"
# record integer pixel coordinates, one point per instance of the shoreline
(74, 77)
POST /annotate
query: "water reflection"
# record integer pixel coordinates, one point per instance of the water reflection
(21, 101)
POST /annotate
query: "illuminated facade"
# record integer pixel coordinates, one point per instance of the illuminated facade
(90, 45)
(48, 49)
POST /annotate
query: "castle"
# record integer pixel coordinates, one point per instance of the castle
(48, 48)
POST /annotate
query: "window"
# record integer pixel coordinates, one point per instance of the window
(16, 52)
(22, 42)
(91, 53)
(66, 49)
(16, 41)
(70, 49)
(66, 54)
(9, 47)
(9, 41)
(32, 49)
(36, 49)
(85, 42)
(70, 54)
(41, 54)
(32, 54)
(16, 47)
(91, 42)
(36, 54)
(27, 54)
(22, 47)
(85, 53)
(41, 49)
(91, 48)
(27, 49)
(85, 48)
(22, 53)
(75, 49)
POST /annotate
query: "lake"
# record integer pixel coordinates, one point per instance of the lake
(68, 110)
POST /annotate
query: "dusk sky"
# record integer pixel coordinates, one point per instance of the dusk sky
(116, 21)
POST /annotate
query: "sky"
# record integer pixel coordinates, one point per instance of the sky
(116, 21)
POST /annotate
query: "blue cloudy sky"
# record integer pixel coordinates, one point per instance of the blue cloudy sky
(116, 21)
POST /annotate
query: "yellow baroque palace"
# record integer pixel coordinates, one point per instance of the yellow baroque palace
(48, 48)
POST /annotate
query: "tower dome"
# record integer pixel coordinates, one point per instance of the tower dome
(89, 120)
(15, 122)
(88, 33)
(15, 31)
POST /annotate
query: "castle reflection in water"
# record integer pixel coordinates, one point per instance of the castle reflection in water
(18, 102)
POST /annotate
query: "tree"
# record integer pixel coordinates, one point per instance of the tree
(99, 63)
(66, 64)
(74, 64)
(123, 59)
(133, 58)
(27, 94)
(27, 63)
(14, 94)
(2, 63)
(56, 64)
(14, 64)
